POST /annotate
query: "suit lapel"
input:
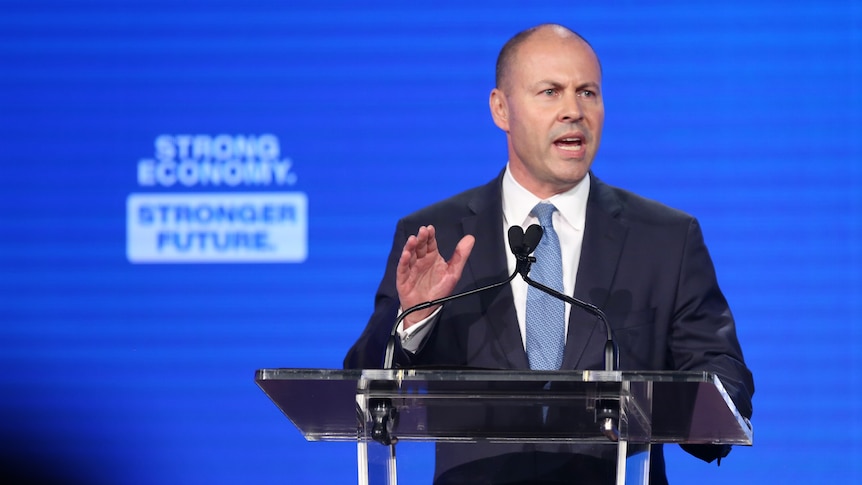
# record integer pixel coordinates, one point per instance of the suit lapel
(604, 237)
(487, 265)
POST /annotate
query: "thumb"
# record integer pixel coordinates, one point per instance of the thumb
(462, 252)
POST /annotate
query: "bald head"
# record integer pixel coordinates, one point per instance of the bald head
(510, 49)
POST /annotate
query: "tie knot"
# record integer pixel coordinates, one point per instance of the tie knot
(544, 211)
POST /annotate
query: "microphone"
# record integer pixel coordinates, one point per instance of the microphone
(522, 245)
(529, 242)
(515, 240)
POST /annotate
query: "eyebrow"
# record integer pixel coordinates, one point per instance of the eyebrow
(548, 83)
(556, 84)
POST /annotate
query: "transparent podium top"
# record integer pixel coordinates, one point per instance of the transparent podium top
(507, 405)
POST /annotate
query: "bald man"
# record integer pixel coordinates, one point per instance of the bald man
(644, 264)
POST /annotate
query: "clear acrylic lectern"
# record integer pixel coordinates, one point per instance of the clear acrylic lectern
(625, 409)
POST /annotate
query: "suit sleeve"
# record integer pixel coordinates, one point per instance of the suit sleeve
(704, 333)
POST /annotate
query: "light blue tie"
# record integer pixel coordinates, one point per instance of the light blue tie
(545, 314)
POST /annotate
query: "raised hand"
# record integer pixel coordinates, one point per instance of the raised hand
(424, 275)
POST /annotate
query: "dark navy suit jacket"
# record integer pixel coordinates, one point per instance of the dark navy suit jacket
(643, 263)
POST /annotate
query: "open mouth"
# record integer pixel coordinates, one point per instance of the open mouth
(573, 143)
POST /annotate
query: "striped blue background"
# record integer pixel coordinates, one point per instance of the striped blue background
(744, 113)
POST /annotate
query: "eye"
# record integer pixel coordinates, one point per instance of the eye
(586, 93)
(549, 92)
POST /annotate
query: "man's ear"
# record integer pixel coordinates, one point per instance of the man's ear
(499, 109)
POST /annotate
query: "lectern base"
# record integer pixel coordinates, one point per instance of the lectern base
(377, 465)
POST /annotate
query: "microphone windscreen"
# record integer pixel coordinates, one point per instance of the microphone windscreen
(532, 238)
(516, 239)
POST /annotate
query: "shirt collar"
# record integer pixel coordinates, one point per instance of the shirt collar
(518, 202)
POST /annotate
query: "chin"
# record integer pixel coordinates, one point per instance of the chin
(573, 177)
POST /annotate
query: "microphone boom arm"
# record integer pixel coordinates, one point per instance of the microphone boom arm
(611, 350)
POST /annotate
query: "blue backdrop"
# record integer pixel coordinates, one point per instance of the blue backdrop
(130, 330)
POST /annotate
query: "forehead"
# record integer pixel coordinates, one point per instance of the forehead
(549, 55)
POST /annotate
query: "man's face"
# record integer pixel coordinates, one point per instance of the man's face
(551, 108)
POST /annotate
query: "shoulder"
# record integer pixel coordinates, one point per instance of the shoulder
(634, 209)
(456, 207)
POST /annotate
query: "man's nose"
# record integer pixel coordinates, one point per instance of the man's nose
(571, 110)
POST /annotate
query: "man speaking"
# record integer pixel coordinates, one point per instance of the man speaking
(644, 264)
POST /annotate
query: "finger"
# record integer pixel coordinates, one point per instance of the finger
(421, 242)
(431, 247)
(406, 260)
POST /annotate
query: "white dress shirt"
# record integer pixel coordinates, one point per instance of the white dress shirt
(569, 220)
